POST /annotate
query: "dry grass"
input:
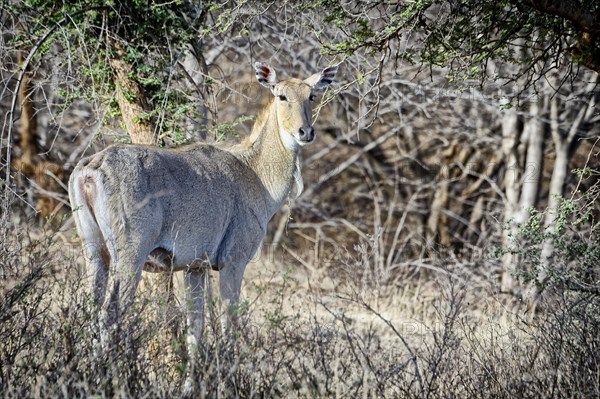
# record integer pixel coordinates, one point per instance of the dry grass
(302, 336)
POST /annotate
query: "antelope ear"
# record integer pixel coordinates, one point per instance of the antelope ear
(265, 74)
(321, 80)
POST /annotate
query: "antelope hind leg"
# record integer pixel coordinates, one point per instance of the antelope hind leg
(124, 278)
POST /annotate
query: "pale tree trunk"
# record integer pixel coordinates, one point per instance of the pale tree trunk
(559, 175)
(521, 193)
(196, 69)
(532, 173)
(511, 133)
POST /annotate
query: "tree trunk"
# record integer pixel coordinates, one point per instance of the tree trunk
(131, 101)
(197, 71)
(559, 175)
(532, 173)
(521, 193)
(46, 176)
(511, 133)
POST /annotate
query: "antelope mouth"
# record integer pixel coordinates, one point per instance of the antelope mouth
(304, 142)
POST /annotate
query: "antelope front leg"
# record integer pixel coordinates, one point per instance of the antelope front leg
(195, 281)
(230, 284)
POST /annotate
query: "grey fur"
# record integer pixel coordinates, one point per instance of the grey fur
(188, 208)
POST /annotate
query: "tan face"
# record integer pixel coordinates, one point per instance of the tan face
(294, 99)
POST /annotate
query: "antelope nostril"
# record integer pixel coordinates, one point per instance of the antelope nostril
(306, 133)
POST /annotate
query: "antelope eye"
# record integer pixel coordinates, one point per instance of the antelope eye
(282, 97)
(312, 97)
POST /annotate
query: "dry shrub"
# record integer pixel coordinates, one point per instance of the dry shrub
(328, 346)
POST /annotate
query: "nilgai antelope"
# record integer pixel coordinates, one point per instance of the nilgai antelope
(186, 209)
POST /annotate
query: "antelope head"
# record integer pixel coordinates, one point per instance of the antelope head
(293, 102)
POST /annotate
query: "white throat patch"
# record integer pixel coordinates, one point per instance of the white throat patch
(289, 141)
